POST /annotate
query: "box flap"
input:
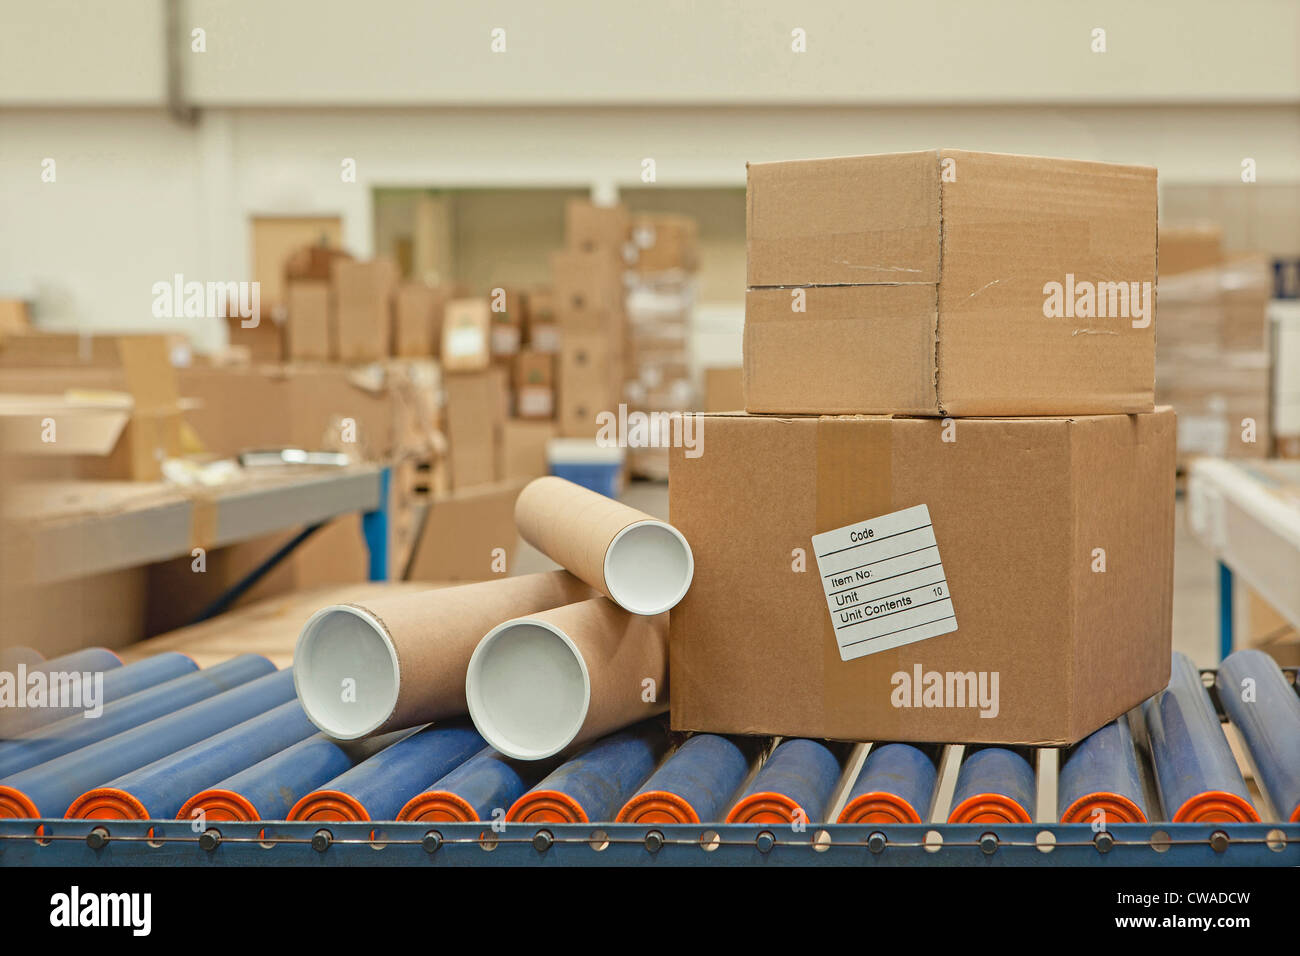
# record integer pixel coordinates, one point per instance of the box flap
(86, 424)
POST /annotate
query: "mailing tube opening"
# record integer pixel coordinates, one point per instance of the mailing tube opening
(648, 567)
(528, 689)
(345, 672)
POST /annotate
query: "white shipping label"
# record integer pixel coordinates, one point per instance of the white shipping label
(884, 582)
(505, 339)
(465, 342)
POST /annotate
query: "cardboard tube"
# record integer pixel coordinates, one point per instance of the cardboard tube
(406, 655)
(541, 683)
(642, 564)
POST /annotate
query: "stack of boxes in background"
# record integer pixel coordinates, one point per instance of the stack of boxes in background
(1214, 359)
(661, 297)
(623, 295)
(589, 301)
(888, 555)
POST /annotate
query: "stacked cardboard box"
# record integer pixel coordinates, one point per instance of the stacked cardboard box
(1284, 340)
(589, 301)
(1214, 363)
(661, 297)
(868, 564)
(338, 309)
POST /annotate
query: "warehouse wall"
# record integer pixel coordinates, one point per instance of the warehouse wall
(281, 88)
(138, 197)
(670, 51)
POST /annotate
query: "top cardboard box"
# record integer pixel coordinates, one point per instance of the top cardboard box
(949, 282)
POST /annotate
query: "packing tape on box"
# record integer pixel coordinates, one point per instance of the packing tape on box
(854, 482)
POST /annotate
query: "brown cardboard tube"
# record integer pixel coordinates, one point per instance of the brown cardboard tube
(400, 661)
(539, 684)
(642, 564)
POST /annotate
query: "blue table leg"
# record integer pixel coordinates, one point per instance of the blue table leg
(1225, 611)
(374, 525)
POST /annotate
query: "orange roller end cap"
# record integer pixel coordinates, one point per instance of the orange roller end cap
(107, 803)
(1107, 807)
(878, 807)
(329, 805)
(764, 807)
(1216, 806)
(16, 805)
(547, 806)
(223, 805)
(989, 808)
(438, 806)
(657, 806)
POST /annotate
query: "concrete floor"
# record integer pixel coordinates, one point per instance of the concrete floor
(1196, 613)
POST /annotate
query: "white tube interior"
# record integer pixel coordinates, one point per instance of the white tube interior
(528, 689)
(345, 671)
(648, 567)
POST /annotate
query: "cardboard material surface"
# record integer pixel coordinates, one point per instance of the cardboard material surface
(417, 327)
(474, 413)
(468, 535)
(588, 288)
(589, 227)
(523, 449)
(724, 389)
(363, 298)
(295, 407)
(1188, 248)
(269, 627)
(937, 266)
(588, 382)
(1018, 508)
(309, 324)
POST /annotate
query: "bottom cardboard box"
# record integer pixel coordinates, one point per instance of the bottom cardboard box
(993, 580)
